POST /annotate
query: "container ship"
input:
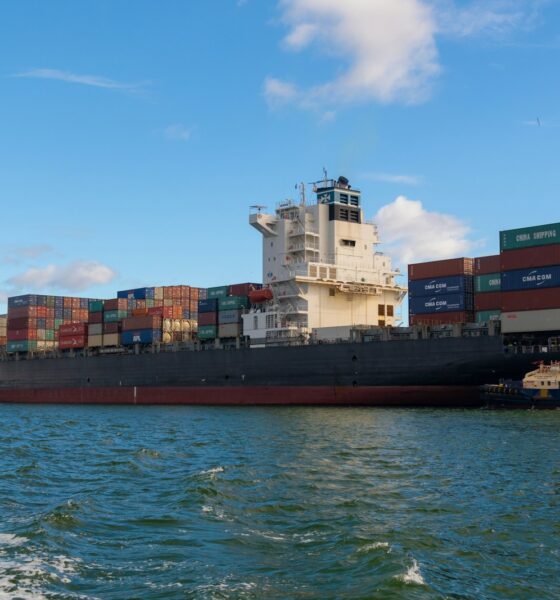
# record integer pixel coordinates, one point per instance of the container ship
(323, 326)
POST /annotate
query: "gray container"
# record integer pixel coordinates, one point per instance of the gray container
(229, 316)
(231, 330)
(531, 320)
(95, 329)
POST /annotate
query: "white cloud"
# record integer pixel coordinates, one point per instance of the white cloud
(68, 77)
(411, 233)
(177, 132)
(74, 277)
(395, 178)
(384, 50)
(388, 48)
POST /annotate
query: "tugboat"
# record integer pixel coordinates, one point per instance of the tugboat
(539, 389)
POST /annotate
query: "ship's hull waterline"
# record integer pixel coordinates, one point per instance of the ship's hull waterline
(437, 372)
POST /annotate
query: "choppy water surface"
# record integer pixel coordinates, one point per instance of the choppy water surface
(196, 502)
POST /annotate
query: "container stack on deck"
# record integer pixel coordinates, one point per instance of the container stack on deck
(3, 329)
(220, 314)
(530, 273)
(487, 288)
(441, 292)
(34, 320)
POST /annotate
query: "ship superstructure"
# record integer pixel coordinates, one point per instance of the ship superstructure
(321, 263)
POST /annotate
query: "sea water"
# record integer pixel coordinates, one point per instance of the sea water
(208, 502)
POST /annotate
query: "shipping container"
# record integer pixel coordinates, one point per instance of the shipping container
(116, 304)
(230, 330)
(527, 279)
(110, 316)
(22, 311)
(21, 346)
(140, 336)
(72, 341)
(111, 339)
(209, 318)
(21, 323)
(527, 258)
(526, 237)
(17, 335)
(111, 328)
(229, 316)
(138, 293)
(455, 284)
(442, 318)
(435, 304)
(146, 322)
(209, 305)
(485, 316)
(95, 341)
(440, 268)
(206, 332)
(488, 301)
(25, 300)
(218, 292)
(233, 302)
(530, 299)
(96, 328)
(95, 317)
(72, 329)
(490, 282)
(531, 320)
(243, 289)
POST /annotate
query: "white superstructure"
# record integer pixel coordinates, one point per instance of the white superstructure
(321, 263)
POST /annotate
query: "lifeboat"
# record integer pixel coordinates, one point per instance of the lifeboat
(259, 296)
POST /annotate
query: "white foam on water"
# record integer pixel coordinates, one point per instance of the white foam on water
(213, 471)
(375, 546)
(413, 575)
(207, 509)
(9, 539)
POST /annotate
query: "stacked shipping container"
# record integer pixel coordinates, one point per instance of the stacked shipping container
(3, 329)
(441, 292)
(34, 320)
(530, 273)
(487, 288)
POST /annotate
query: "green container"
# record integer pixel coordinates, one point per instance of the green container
(485, 316)
(95, 305)
(50, 301)
(233, 302)
(541, 235)
(206, 332)
(218, 292)
(58, 323)
(49, 335)
(112, 316)
(488, 283)
(21, 346)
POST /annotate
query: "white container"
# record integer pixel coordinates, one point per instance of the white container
(531, 320)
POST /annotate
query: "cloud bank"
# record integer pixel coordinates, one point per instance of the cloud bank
(411, 233)
(73, 277)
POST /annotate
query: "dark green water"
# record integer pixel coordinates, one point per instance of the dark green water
(131, 502)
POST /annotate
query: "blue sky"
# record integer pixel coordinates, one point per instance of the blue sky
(135, 136)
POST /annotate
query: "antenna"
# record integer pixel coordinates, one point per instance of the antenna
(258, 207)
(325, 176)
(302, 194)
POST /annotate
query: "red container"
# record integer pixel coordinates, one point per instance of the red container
(194, 293)
(116, 304)
(17, 335)
(527, 258)
(243, 289)
(209, 318)
(71, 341)
(72, 329)
(147, 322)
(95, 317)
(486, 265)
(22, 311)
(3, 340)
(42, 312)
(177, 312)
(488, 301)
(531, 299)
(140, 312)
(111, 328)
(442, 318)
(441, 268)
(67, 302)
(21, 323)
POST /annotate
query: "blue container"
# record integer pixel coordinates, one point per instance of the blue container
(25, 300)
(58, 302)
(456, 284)
(140, 336)
(84, 303)
(41, 323)
(146, 293)
(186, 314)
(67, 314)
(531, 279)
(59, 313)
(438, 304)
(209, 305)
